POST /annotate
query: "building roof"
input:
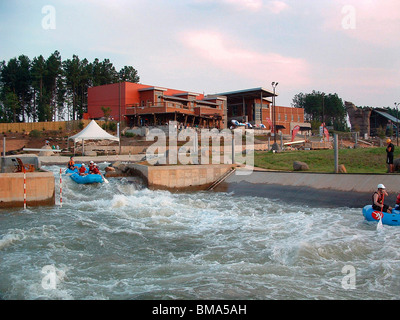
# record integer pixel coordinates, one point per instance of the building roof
(248, 93)
(386, 115)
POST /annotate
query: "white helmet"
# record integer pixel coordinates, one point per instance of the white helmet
(381, 186)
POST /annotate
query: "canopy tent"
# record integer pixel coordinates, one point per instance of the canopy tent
(92, 132)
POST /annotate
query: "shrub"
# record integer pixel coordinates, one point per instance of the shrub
(35, 133)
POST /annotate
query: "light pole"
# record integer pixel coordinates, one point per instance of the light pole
(275, 145)
(396, 104)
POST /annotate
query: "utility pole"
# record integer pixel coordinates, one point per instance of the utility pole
(275, 146)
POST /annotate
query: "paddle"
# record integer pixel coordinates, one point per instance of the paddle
(380, 225)
(104, 179)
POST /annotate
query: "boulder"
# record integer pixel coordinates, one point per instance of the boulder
(109, 169)
(47, 151)
(300, 166)
(396, 164)
(342, 169)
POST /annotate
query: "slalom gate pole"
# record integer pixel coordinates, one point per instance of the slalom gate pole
(24, 188)
(60, 189)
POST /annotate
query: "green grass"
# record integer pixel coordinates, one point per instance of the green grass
(360, 160)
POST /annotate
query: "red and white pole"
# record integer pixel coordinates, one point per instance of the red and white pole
(60, 189)
(24, 188)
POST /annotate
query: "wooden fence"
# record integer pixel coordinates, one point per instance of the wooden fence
(45, 126)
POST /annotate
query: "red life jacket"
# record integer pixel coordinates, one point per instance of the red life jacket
(380, 198)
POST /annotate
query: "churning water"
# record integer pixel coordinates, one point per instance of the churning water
(121, 241)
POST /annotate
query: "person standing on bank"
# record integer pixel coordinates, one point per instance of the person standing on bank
(378, 199)
(390, 155)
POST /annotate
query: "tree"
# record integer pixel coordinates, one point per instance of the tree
(44, 89)
(38, 74)
(320, 107)
(52, 83)
(128, 73)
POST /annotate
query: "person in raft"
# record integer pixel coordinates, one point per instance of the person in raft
(397, 206)
(82, 170)
(71, 164)
(91, 166)
(378, 199)
(390, 155)
(95, 169)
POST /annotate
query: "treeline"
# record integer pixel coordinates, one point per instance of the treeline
(320, 107)
(53, 89)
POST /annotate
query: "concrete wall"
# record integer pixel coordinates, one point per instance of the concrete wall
(339, 182)
(40, 189)
(180, 177)
(7, 165)
(313, 189)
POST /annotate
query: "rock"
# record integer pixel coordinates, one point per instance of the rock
(91, 153)
(342, 168)
(109, 169)
(47, 151)
(359, 118)
(396, 164)
(300, 166)
(116, 164)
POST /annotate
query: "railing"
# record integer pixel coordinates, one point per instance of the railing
(170, 107)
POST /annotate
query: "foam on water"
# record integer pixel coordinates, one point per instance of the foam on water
(122, 241)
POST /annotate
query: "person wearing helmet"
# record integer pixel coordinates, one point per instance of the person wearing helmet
(91, 166)
(82, 170)
(390, 155)
(71, 164)
(378, 199)
(95, 169)
(397, 207)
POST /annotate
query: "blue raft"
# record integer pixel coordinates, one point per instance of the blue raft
(88, 179)
(69, 171)
(391, 219)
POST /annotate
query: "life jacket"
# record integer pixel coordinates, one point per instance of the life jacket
(82, 169)
(96, 170)
(380, 198)
(91, 167)
(71, 163)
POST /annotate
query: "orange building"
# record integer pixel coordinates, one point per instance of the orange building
(255, 107)
(140, 104)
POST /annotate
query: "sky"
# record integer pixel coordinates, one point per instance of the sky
(348, 47)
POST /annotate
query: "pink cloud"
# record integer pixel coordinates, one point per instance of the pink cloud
(225, 54)
(277, 7)
(376, 22)
(274, 6)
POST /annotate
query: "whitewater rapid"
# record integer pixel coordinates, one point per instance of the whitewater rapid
(123, 241)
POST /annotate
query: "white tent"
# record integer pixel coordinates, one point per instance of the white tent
(92, 132)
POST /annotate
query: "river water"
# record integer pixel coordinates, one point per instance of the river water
(123, 241)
